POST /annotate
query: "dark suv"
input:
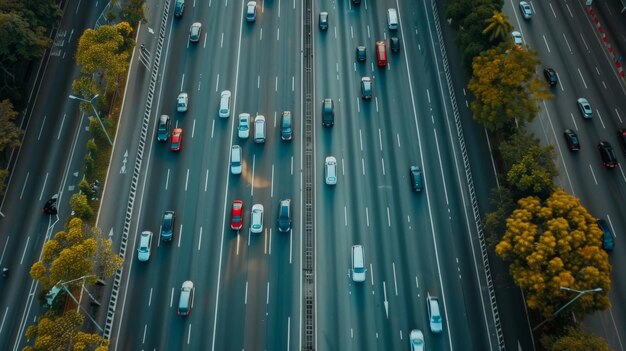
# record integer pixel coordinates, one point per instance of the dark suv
(286, 126)
(179, 8)
(284, 215)
(608, 242)
(163, 131)
(167, 227)
(606, 152)
(328, 113)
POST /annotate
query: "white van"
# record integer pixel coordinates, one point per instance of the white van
(392, 19)
(358, 264)
(259, 129)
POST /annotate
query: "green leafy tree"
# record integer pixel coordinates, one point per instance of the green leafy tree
(502, 204)
(516, 145)
(552, 244)
(506, 88)
(55, 332)
(572, 339)
(133, 12)
(498, 27)
(534, 173)
(10, 133)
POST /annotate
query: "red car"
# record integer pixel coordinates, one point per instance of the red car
(177, 139)
(236, 215)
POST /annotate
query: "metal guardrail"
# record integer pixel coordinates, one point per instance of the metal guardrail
(308, 269)
(470, 185)
(136, 172)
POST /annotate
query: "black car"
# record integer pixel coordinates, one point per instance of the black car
(608, 241)
(167, 227)
(50, 206)
(284, 215)
(551, 76)
(163, 130)
(356, 2)
(361, 53)
(323, 20)
(328, 113)
(179, 8)
(606, 152)
(573, 144)
(416, 178)
(621, 139)
(395, 44)
(286, 126)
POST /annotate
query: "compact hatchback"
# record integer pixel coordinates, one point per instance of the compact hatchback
(550, 76)
(195, 31)
(361, 53)
(177, 139)
(330, 170)
(167, 226)
(256, 221)
(182, 102)
(517, 38)
(251, 11)
(323, 20)
(236, 215)
(284, 215)
(434, 314)
(527, 12)
(606, 152)
(585, 108)
(571, 138)
(145, 243)
(163, 129)
(366, 88)
(243, 127)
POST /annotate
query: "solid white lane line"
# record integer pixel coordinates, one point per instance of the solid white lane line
(380, 140)
(417, 284)
(187, 179)
(363, 165)
(150, 297)
(270, 243)
(182, 82)
(206, 180)
(288, 331)
(398, 138)
(238, 242)
(180, 234)
(291, 166)
(217, 82)
(167, 179)
(388, 218)
(345, 216)
(382, 161)
(267, 299)
(272, 183)
(245, 299)
(193, 129)
(395, 279)
(372, 274)
(200, 239)
(367, 216)
(361, 139)
(252, 182)
(212, 128)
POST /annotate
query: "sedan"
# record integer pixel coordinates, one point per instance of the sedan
(416, 340)
(182, 102)
(194, 32)
(366, 88)
(323, 20)
(167, 226)
(145, 243)
(608, 241)
(606, 152)
(517, 38)
(551, 76)
(524, 7)
(236, 215)
(257, 219)
(361, 53)
(330, 170)
(163, 130)
(416, 178)
(394, 42)
(243, 127)
(177, 139)
(573, 144)
(251, 11)
(585, 108)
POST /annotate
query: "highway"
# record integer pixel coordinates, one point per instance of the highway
(566, 39)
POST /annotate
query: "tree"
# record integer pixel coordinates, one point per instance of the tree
(498, 27)
(10, 133)
(502, 204)
(80, 206)
(513, 149)
(555, 243)
(133, 12)
(534, 173)
(573, 338)
(61, 332)
(506, 88)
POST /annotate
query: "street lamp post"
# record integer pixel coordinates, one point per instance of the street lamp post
(74, 97)
(580, 293)
(63, 286)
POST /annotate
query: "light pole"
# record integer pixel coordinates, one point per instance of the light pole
(63, 286)
(74, 97)
(580, 293)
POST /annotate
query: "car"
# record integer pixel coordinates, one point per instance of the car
(243, 127)
(330, 170)
(524, 7)
(256, 221)
(585, 108)
(608, 241)
(259, 129)
(392, 19)
(145, 243)
(286, 126)
(621, 139)
(416, 178)
(251, 11)
(182, 102)
(517, 38)
(381, 53)
(416, 340)
(179, 8)
(434, 314)
(366, 88)
(328, 113)
(284, 216)
(225, 104)
(394, 42)
(323, 20)
(185, 301)
(606, 152)
(356, 2)
(163, 128)
(551, 76)
(49, 207)
(571, 138)
(177, 139)
(358, 264)
(235, 159)
(236, 215)
(195, 31)
(361, 53)
(167, 226)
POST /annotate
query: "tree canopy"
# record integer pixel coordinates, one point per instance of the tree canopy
(574, 338)
(506, 87)
(498, 27)
(552, 244)
(10, 133)
(61, 332)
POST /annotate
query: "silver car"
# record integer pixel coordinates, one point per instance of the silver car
(145, 243)
(259, 129)
(243, 127)
(195, 31)
(517, 38)
(585, 108)
(225, 104)
(251, 11)
(524, 7)
(182, 102)
(235, 159)
(330, 170)
(416, 340)
(256, 222)
(434, 314)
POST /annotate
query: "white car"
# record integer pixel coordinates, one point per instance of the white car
(524, 7)
(517, 38)
(235, 159)
(225, 104)
(243, 128)
(585, 108)
(416, 340)
(182, 102)
(194, 32)
(256, 225)
(145, 243)
(330, 170)
(434, 314)
(251, 11)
